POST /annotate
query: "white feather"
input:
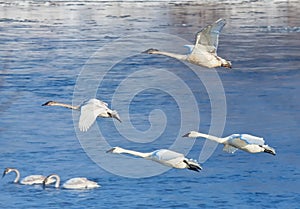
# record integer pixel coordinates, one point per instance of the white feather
(162, 156)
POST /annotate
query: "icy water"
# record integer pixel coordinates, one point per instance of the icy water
(72, 51)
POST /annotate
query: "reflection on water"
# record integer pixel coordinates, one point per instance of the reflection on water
(46, 44)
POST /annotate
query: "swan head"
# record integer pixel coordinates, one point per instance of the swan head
(49, 103)
(191, 134)
(150, 51)
(51, 179)
(268, 149)
(117, 150)
(46, 180)
(6, 171)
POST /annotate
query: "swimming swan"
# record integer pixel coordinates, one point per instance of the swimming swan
(162, 156)
(73, 183)
(204, 52)
(89, 111)
(29, 180)
(246, 142)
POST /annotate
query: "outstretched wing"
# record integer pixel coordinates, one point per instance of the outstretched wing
(250, 139)
(165, 155)
(241, 140)
(189, 47)
(89, 113)
(95, 102)
(229, 149)
(209, 36)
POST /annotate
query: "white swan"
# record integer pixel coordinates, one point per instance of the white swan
(246, 142)
(89, 111)
(73, 183)
(204, 52)
(163, 156)
(29, 180)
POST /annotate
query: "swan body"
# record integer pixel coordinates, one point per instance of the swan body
(162, 156)
(29, 180)
(89, 111)
(73, 183)
(245, 142)
(204, 52)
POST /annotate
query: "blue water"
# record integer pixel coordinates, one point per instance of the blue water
(53, 52)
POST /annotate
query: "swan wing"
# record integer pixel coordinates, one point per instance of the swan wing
(92, 184)
(189, 47)
(95, 102)
(229, 149)
(250, 139)
(76, 181)
(33, 179)
(209, 36)
(80, 183)
(89, 113)
(242, 140)
(165, 155)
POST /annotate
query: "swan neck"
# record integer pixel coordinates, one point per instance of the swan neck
(66, 106)
(169, 54)
(17, 175)
(57, 182)
(135, 153)
(210, 137)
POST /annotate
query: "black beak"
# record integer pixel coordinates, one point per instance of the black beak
(149, 51)
(46, 104)
(110, 150)
(4, 173)
(186, 135)
(146, 51)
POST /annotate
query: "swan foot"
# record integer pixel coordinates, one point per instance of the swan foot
(227, 64)
(269, 151)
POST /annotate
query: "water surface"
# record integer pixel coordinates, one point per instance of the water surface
(44, 49)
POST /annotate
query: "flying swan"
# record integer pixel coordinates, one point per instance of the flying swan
(246, 142)
(73, 183)
(89, 111)
(204, 52)
(29, 180)
(162, 156)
